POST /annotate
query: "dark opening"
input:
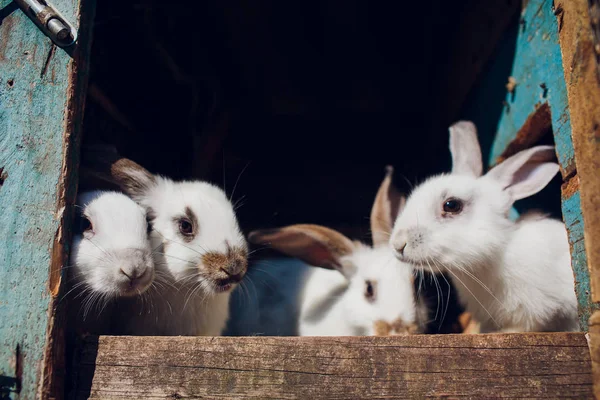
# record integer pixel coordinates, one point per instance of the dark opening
(294, 109)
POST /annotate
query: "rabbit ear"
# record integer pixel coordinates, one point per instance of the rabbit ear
(105, 163)
(465, 149)
(388, 204)
(313, 244)
(527, 172)
(133, 179)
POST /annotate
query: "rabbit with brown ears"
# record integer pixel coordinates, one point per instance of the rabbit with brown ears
(511, 275)
(353, 289)
(200, 254)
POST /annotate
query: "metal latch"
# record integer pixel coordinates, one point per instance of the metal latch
(50, 21)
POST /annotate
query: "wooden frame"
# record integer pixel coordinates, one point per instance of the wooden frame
(579, 24)
(419, 366)
(41, 112)
(38, 165)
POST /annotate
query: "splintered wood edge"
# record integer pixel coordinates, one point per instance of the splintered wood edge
(52, 377)
(536, 365)
(583, 88)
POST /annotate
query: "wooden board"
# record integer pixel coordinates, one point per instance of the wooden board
(470, 366)
(571, 208)
(42, 89)
(583, 84)
(580, 54)
(595, 351)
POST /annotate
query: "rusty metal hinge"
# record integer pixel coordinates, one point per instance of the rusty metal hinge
(49, 21)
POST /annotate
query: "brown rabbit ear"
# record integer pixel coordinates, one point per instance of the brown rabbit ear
(104, 162)
(316, 245)
(388, 204)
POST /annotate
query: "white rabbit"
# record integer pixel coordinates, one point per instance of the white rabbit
(511, 275)
(111, 254)
(200, 254)
(360, 290)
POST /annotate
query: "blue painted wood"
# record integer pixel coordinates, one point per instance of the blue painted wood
(574, 222)
(537, 69)
(35, 92)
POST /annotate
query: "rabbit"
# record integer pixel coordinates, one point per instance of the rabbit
(512, 276)
(200, 252)
(111, 255)
(358, 290)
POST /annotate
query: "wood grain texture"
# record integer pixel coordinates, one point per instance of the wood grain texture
(583, 84)
(594, 338)
(41, 102)
(470, 366)
(571, 209)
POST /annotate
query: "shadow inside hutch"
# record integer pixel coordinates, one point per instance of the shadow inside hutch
(294, 109)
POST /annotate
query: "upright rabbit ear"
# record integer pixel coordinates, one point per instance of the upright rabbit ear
(313, 244)
(388, 204)
(465, 149)
(527, 172)
(133, 179)
(104, 162)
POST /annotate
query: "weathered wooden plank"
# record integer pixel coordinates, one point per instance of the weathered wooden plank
(470, 366)
(579, 47)
(571, 209)
(538, 73)
(594, 338)
(41, 105)
(583, 84)
(537, 124)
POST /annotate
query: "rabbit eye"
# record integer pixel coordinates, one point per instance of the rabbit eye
(185, 227)
(86, 225)
(453, 206)
(369, 290)
(148, 226)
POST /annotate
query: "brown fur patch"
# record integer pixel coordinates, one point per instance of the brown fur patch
(316, 245)
(223, 266)
(387, 205)
(192, 219)
(396, 328)
(134, 179)
(468, 324)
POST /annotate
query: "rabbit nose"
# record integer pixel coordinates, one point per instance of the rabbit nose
(133, 273)
(400, 249)
(235, 269)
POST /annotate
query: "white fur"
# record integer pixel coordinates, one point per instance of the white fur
(187, 301)
(332, 305)
(117, 246)
(334, 299)
(525, 265)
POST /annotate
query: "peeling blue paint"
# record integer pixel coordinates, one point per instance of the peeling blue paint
(32, 113)
(574, 222)
(538, 71)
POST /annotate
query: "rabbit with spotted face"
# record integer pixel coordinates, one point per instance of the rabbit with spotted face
(199, 252)
(358, 290)
(111, 254)
(512, 276)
